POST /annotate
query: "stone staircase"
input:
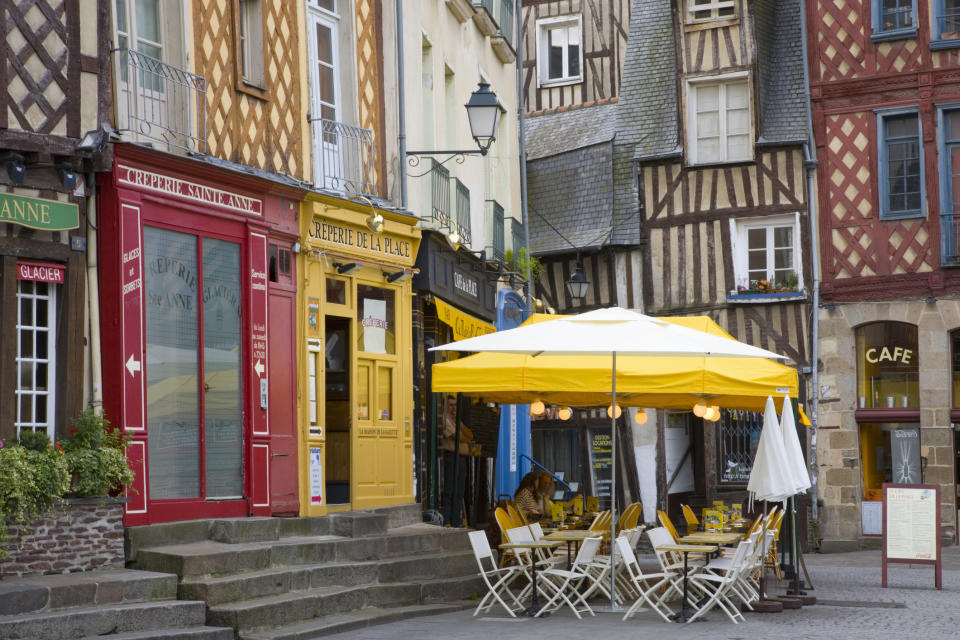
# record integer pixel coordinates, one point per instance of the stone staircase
(299, 578)
(120, 603)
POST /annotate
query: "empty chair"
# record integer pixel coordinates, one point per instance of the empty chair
(565, 583)
(718, 586)
(692, 523)
(646, 585)
(498, 580)
(666, 522)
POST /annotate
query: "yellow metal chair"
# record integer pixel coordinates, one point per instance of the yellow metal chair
(519, 520)
(505, 522)
(665, 521)
(692, 523)
(601, 522)
(630, 517)
(773, 558)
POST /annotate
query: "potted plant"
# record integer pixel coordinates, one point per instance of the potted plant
(95, 457)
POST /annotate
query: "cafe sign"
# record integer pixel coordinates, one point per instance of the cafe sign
(41, 272)
(38, 213)
(335, 235)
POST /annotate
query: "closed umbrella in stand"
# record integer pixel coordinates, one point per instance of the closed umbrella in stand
(801, 480)
(770, 480)
(609, 332)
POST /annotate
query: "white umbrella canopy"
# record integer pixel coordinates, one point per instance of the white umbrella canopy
(607, 331)
(792, 448)
(770, 479)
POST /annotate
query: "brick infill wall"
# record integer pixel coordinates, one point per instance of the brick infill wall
(82, 534)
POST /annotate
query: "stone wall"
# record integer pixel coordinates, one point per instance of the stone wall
(839, 480)
(83, 534)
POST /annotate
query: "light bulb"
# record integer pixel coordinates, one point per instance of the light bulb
(716, 412)
(564, 413)
(641, 417)
(699, 410)
(610, 411)
(708, 414)
(537, 408)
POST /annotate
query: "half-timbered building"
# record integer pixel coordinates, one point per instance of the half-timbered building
(714, 91)
(885, 87)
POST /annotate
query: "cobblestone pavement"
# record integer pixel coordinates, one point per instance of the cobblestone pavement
(852, 606)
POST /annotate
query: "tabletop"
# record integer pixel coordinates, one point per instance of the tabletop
(575, 535)
(688, 548)
(710, 538)
(531, 544)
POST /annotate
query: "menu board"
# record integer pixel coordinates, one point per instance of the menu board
(601, 459)
(911, 526)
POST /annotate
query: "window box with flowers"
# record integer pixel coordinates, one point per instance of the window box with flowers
(41, 481)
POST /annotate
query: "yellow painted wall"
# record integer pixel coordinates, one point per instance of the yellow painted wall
(372, 448)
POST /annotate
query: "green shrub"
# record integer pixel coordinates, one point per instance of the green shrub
(95, 456)
(31, 482)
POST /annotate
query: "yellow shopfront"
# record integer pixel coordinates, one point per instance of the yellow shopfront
(355, 364)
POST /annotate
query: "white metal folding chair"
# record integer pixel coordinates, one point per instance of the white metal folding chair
(717, 586)
(646, 585)
(498, 580)
(565, 583)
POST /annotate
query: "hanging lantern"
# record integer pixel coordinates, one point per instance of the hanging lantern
(699, 410)
(537, 408)
(708, 414)
(564, 413)
(641, 417)
(610, 411)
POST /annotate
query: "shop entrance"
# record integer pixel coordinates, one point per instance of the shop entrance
(337, 404)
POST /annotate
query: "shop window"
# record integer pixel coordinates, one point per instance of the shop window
(719, 121)
(901, 165)
(887, 366)
(384, 393)
(889, 452)
(336, 291)
(376, 316)
(363, 392)
(709, 10)
(738, 434)
(893, 19)
(313, 368)
(36, 356)
(559, 50)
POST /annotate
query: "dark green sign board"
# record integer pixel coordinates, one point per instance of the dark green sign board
(37, 213)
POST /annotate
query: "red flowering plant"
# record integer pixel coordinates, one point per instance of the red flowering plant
(96, 456)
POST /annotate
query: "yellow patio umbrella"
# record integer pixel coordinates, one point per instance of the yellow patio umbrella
(663, 382)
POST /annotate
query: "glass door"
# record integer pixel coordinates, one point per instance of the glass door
(194, 390)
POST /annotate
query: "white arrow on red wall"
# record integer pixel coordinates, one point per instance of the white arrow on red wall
(258, 367)
(132, 365)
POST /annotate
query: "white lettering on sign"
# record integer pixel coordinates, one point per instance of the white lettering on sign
(466, 285)
(39, 272)
(875, 355)
(131, 286)
(189, 190)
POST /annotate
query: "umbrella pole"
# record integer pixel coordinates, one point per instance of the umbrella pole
(764, 604)
(613, 485)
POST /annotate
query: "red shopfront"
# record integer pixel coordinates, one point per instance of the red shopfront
(190, 285)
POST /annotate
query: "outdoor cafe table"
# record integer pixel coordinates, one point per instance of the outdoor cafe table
(532, 544)
(686, 611)
(707, 537)
(576, 536)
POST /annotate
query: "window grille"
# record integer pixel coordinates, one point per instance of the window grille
(738, 435)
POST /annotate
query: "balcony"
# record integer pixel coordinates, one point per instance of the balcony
(950, 239)
(343, 158)
(159, 104)
(494, 18)
(516, 236)
(462, 198)
(495, 241)
(439, 192)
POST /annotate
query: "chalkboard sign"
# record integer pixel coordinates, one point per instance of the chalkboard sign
(911, 527)
(484, 422)
(601, 459)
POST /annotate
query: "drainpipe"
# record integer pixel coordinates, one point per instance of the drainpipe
(402, 112)
(521, 107)
(810, 163)
(93, 295)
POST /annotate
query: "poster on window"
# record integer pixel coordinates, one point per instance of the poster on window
(316, 475)
(374, 326)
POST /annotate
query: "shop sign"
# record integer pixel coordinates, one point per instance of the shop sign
(466, 285)
(464, 325)
(41, 272)
(38, 213)
(258, 326)
(131, 300)
(186, 190)
(875, 355)
(333, 235)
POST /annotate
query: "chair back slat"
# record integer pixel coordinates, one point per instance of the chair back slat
(481, 546)
(666, 522)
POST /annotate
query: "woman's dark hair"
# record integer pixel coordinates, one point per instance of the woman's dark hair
(528, 481)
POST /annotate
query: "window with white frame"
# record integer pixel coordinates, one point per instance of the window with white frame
(709, 10)
(559, 50)
(767, 254)
(251, 42)
(901, 164)
(36, 356)
(893, 19)
(719, 121)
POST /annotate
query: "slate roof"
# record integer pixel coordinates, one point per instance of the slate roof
(572, 190)
(647, 110)
(562, 130)
(783, 109)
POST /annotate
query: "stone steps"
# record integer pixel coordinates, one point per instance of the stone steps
(192, 633)
(353, 620)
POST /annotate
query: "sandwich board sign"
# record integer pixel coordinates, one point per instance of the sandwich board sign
(911, 527)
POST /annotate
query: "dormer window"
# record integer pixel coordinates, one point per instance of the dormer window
(710, 10)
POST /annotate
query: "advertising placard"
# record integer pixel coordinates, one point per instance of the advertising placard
(911, 526)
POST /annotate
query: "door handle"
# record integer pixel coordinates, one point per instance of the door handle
(206, 387)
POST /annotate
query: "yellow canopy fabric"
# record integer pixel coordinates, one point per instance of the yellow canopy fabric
(642, 381)
(463, 324)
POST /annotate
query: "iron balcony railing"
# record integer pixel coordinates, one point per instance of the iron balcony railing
(159, 102)
(495, 225)
(345, 157)
(950, 239)
(440, 192)
(462, 195)
(948, 25)
(503, 12)
(516, 237)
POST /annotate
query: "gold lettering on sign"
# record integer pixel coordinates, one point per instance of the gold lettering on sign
(882, 354)
(361, 239)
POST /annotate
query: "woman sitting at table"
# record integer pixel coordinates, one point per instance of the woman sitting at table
(528, 496)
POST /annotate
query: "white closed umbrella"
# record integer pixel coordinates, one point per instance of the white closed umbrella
(609, 332)
(769, 479)
(792, 448)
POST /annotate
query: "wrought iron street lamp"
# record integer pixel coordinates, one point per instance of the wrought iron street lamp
(483, 113)
(578, 284)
